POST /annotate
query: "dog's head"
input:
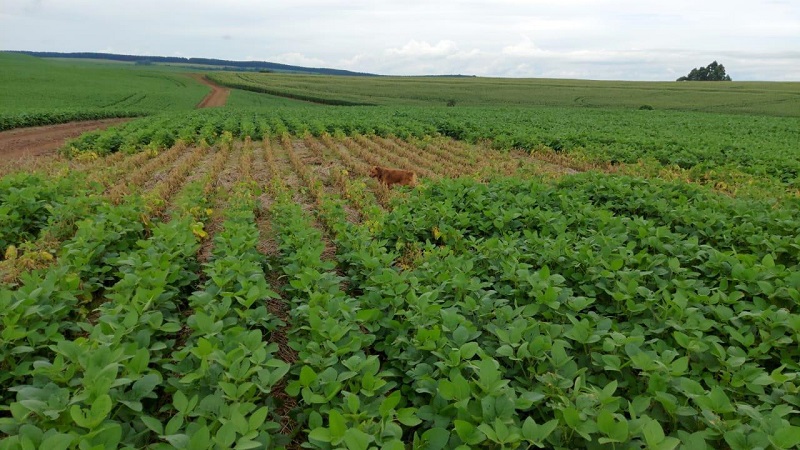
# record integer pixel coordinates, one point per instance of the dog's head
(375, 172)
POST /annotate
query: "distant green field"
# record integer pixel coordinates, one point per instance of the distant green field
(87, 62)
(248, 99)
(37, 91)
(697, 126)
(760, 98)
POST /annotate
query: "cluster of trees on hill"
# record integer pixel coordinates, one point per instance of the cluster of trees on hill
(220, 63)
(712, 72)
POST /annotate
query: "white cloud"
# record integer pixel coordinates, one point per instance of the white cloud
(295, 59)
(526, 48)
(421, 48)
(628, 39)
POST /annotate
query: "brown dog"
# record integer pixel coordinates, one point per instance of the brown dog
(393, 176)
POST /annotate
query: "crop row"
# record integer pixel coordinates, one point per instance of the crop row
(225, 372)
(707, 144)
(645, 343)
(86, 330)
(348, 397)
(403, 320)
(30, 203)
(772, 99)
(242, 81)
(139, 371)
(91, 385)
(42, 210)
(33, 119)
(620, 320)
(39, 91)
(599, 311)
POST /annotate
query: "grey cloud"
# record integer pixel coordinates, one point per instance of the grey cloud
(612, 39)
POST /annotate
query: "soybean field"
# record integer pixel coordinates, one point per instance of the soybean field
(562, 277)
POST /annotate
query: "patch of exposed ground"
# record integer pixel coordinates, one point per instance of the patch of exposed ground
(45, 140)
(263, 165)
(218, 95)
(225, 179)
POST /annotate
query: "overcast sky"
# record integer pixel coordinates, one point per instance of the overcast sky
(589, 39)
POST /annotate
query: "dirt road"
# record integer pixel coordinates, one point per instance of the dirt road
(218, 95)
(42, 140)
(35, 141)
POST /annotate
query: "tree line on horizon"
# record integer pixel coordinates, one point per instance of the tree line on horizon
(712, 72)
(220, 63)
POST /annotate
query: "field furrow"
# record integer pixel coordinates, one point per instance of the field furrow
(136, 179)
(307, 183)
(265, 178)
(425, 164)
(393, 159)
(217, 184)
(270, 293)
(444, 167)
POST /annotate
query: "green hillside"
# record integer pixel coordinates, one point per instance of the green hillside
(69, 90)
(761, 98)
